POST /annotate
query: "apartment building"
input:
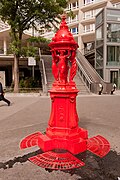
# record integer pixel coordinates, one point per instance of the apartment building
(82, 26)
(96, 28)
(107, 44)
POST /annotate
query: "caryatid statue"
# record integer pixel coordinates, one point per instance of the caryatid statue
(61, 65)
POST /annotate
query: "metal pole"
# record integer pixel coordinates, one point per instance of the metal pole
(33, 72)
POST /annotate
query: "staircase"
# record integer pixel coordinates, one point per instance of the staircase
(47, 59)
(90, 75)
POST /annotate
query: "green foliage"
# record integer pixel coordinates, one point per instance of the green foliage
(21, 84)
(14, 47)
(30, 51)
(38, 40)
(24, 14)
(29, 82)
(71, 14)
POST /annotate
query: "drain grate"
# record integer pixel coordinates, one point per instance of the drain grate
(98, 145)
(31, 140)
(53, 160)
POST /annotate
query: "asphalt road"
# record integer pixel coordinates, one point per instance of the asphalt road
(26, 115)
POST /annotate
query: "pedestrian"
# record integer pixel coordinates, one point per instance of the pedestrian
(114, 88)
(100, 88)
(2, 98)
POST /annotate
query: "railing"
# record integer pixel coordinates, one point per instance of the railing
(84, 75)
(43, 75)
(91, 77)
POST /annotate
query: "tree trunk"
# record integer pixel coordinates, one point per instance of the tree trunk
(16, 74)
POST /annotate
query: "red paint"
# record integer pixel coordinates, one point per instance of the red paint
(63, 131)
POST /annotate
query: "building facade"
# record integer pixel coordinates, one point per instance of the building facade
(82, 24)
(96, 26)
(107, 46)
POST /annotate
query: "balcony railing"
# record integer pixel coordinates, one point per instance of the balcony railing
(72, 21)
(88, 30)
(72, 8)
(88, 17)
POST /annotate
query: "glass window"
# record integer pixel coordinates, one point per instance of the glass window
(113, 55)
(89, 28)
(88, 14)
(99, 35)
(99, 57)
(99, 18)
(74, 30)
(113, 33)
(88, 1)
(113, 15)
(75, 4)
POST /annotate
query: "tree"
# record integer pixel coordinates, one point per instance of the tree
(24, 14)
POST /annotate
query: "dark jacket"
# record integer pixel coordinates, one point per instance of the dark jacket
(1, 89)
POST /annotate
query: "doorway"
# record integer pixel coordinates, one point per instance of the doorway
(114, 77)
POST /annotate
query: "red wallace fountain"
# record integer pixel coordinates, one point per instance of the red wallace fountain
(64, 138)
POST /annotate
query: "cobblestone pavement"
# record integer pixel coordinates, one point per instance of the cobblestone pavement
(30, 113)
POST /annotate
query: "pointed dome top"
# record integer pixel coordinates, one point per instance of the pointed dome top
(63, 34)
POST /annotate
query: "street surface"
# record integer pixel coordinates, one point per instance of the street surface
(29, 114)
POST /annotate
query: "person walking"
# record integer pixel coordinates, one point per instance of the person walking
(2, 98)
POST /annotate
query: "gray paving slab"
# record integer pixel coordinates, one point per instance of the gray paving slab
(29, 114)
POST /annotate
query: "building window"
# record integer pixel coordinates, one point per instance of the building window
(74, 19)
(88, 14)
(113, 55)
(113, 32)
(113, 15)
(75, 5)
(74, 30)
(99, 35)
(99, 18)
(89, 28)
(88, 2)
(99, 57)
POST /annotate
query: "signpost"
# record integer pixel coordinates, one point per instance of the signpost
(32, 62)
